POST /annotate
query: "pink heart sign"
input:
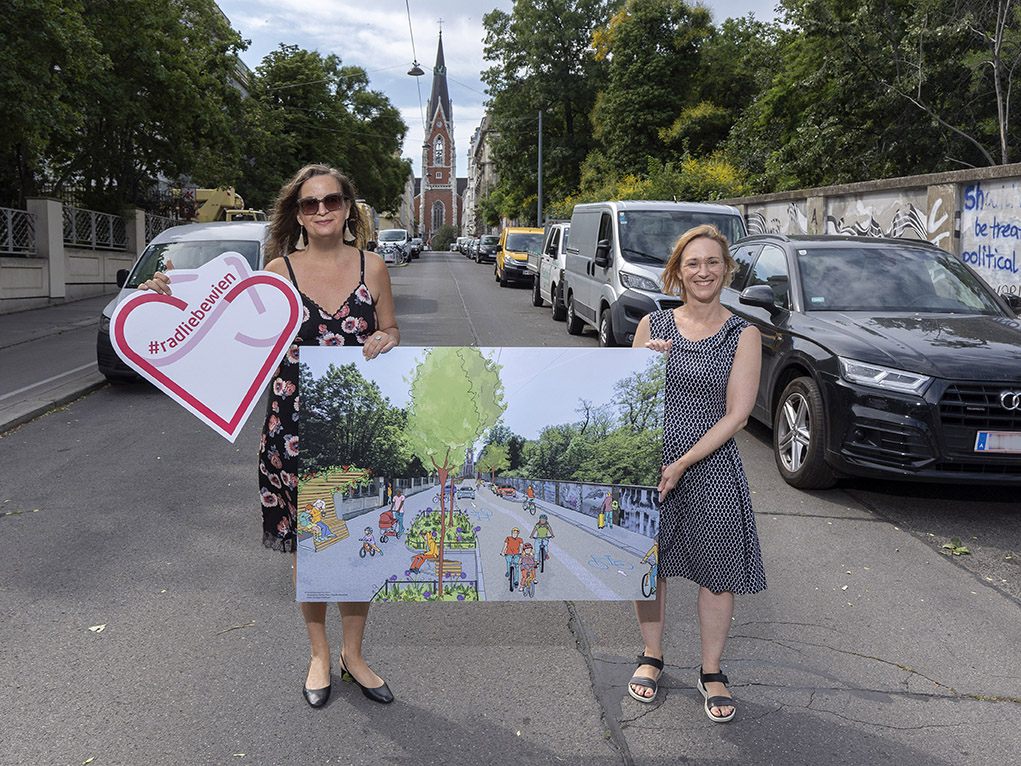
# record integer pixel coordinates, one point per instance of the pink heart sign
(212, 345)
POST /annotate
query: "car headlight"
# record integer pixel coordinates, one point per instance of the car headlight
(882, 377)
(635, 282)
(104, 323)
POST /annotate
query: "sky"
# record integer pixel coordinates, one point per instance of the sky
(542, 386)
(377, 38)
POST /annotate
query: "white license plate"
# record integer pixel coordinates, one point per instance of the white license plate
(1008, 442)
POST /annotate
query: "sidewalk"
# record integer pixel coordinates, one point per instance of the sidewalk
(35, 335)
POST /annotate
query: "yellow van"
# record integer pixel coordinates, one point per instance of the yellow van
(516, 242)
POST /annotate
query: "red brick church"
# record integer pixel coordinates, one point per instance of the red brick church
(439, 192)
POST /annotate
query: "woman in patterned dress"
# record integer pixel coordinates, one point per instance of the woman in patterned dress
(707, 528)
(346, 300)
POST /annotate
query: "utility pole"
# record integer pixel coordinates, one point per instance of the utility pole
(538, 216)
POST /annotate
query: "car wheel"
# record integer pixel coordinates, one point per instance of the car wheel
(503, 278)
(496, 273)
(536, 292)
(606, 336)
(799, 436)
(559, 309)
(574, 325)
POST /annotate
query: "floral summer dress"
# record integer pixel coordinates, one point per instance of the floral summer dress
(353, 323)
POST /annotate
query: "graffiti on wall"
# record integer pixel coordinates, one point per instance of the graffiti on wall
(888, 215)
(778, 219)
(991, 233)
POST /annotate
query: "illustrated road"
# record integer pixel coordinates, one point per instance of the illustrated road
(144, 622)
(586, 563)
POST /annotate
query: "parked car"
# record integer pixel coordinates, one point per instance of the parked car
(465, 491)
(462, 245)
(489, 245)
(473, 247)
(881, 358)
(188, 247)
(417, 246)
(547, 267)
(615, 257)
(504, 491)
(394, 246)
(516, 242)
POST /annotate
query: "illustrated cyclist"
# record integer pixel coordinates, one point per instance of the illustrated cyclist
(528, 579)
(369, 542)
(512, 553)
(652, 559)
(542, 533)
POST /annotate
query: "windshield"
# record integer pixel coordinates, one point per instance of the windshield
(392, 235)
(490, 239)
(189, 255)
(891, 278)
(648, 236)
(520, 242)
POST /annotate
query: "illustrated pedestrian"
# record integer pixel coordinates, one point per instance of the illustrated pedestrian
(346, 300)
(707, 530)
(398, 510)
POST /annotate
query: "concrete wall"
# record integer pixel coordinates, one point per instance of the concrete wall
(58, 272)
(974, 214)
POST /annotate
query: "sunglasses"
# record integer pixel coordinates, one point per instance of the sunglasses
(310, 205)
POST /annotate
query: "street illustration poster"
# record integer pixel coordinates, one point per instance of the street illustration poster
(214, 343)
(478, 474)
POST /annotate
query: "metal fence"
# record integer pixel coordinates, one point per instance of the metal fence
(154, 224)
(95, 230)
(17, 232)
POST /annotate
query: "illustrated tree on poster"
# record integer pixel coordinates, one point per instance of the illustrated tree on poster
(494, 458)
(456, 395)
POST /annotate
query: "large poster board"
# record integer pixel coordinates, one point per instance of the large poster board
(478, 474)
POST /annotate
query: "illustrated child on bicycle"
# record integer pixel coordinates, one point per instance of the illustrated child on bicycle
(528, 580)
(369, 543)
(512, 555)
(652, 559)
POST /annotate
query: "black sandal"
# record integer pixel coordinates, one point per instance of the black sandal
(717, 701)
(648, 683)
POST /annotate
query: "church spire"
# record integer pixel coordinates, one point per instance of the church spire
(439, 96)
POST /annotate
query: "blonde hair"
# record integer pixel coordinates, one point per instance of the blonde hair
(673, 284)
(284, 229)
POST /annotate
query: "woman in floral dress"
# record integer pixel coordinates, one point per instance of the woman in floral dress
(346, 300)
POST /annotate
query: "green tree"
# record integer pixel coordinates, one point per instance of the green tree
(48, 52)
(541, 59)
(307, 107)
(653, 51)
(494, 459)
(346, 420)
(443, 237)
(162, 104)
(456, 394)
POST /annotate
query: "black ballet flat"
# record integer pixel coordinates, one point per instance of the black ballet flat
(380, 694)
(316, 697)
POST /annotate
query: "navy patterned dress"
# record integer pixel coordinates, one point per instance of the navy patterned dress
(706, 528)
(353, 323)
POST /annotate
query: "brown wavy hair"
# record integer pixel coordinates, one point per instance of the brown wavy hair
(284, 229)
(673, 284)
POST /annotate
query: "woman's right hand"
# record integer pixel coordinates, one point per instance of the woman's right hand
(160, 282)
(661, 345)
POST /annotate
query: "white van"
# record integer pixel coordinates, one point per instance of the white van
(614, 260)
(548, 267)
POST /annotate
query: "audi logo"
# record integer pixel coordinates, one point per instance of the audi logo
(1010, 400)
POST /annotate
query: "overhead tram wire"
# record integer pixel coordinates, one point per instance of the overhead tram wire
(414, 53)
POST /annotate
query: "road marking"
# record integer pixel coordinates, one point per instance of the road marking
(52, 378)
(467, 314)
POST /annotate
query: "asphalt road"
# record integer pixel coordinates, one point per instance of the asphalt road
(120, 511)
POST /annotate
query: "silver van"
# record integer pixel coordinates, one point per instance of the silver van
(615, 258)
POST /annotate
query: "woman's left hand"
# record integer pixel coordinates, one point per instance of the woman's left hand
(379, 343)
(670, 475)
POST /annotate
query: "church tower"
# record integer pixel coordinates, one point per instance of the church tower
(438, 197)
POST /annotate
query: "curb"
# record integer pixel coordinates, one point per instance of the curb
(30, 408)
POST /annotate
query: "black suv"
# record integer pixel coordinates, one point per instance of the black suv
(880, 357)
(488, 246)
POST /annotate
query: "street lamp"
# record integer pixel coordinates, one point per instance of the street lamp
(416, 70)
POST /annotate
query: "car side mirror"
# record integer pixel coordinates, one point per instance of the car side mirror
(602, 258)
(1014, 303)
(122, 277)
(760, 296)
